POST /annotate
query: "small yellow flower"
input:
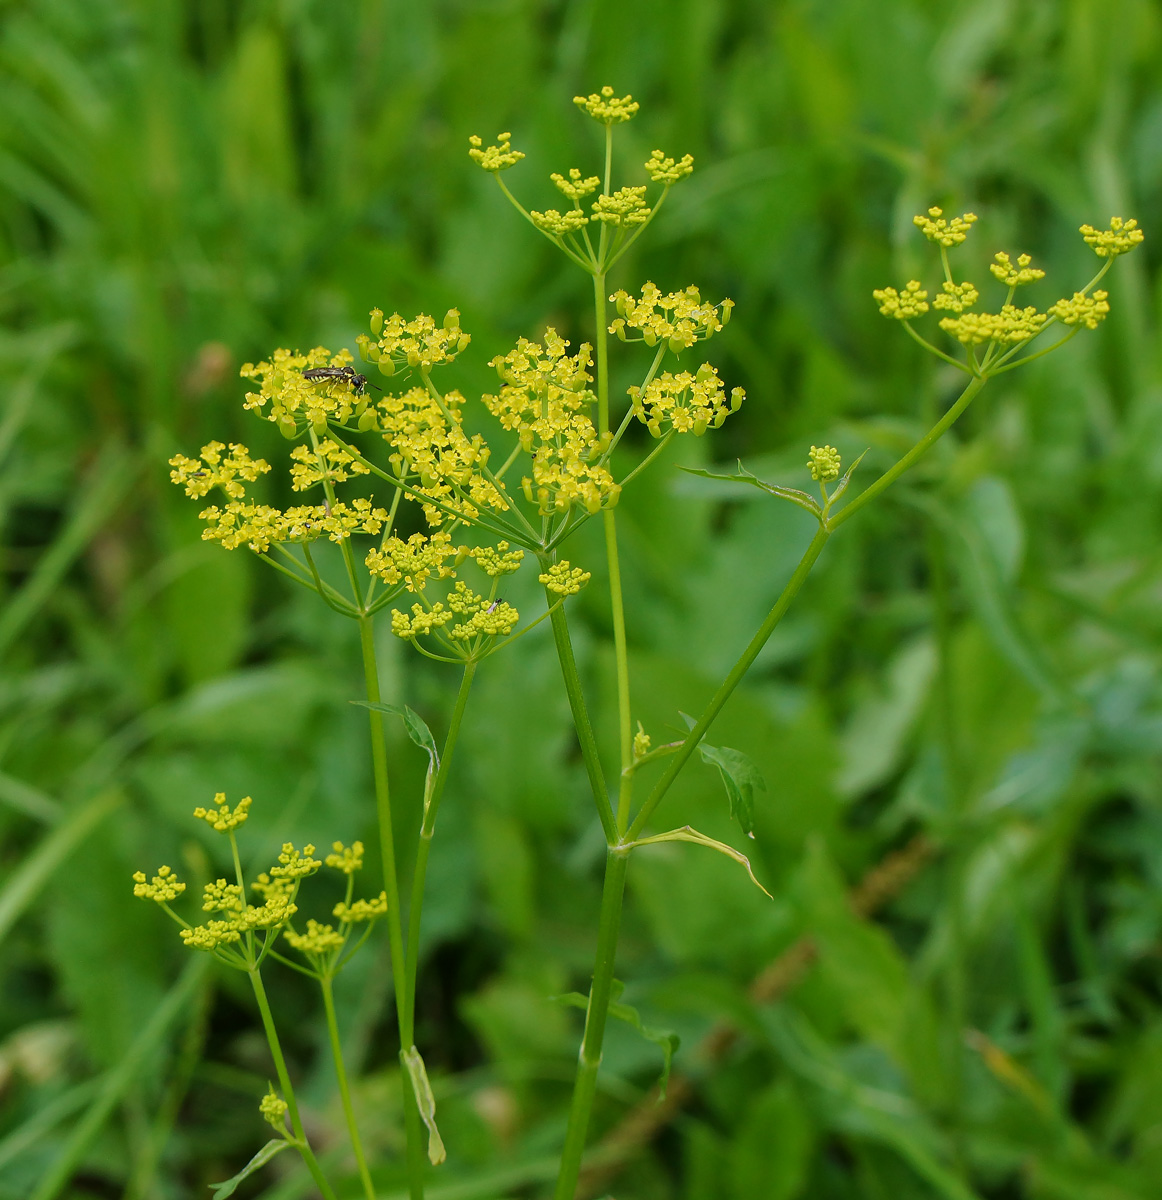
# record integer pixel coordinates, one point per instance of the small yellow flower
(211, 935)
(273, 1109)
(360, 910)
(221, 817)
(559, 224)
(575, 187)
(162, 888)
(497, 561)
(684, 402)
(293, 865)
(495, 158)
(944, 233)
(221, 896)
(318, 939)
(824, 463)
(955, 297)
(1085, 310)
(1009, 327)
(1015, 276)
(665, 170)
(347, 859)
(415, 561)
(625, 208)
(564, 579)
(903, 306)
(641, 742)
(217, 470)
(1120, 238)
(607, 108)
(680, 318)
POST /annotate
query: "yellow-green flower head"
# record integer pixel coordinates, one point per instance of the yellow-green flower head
(291, 401)
(260, 525)
(347, 859)
(162, 888)
(607, 108)
(360, 910)
(903, 306)
(624, 208)
(641, 742)
(479, 616)
(415, 561)
(1009, 327)
(563, 579)
(318, 939)
(679, 318)
(221, 816)
(421, 622)
(1014, 276)
(211, 935)
(955, 297)
(1085, 310)
(575, 186)
(495, 158)
(685, 403)
(217, 470)
(665, 170)
(419, 342)
(498, 560)
(221, 896)
(273, 1109)
(557, 224)
(278, 895)
(1120, 238)
(429, 445)
(330, 462)
(944, 233)
(293, 865)
(824, 463)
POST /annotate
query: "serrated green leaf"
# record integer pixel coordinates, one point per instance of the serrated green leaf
(273, 1147)
(740, 777)
(426, 1102)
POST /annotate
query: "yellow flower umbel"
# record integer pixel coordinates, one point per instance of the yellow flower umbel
(607, 108)
(684, 403)
(495, 158)
(293, 402)
(824, 463)
(944, 233)
(679, 319)
(1120, 238)
(217, 470)
(563, 579)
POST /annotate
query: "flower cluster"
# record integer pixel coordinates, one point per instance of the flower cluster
(544, 394)
(1119, 238)
(347, 859)
(221, 817)
(318, 939)
(685, 403)
(495, 158)
(259, 525)
(497, 560)
(292, 401)
(217, 470)
(1085, 310)
(624, 208)
(944, 233)
(665, 170)
(606, 107)
(414, 562)
(1009, 327)
(954, 297)
(576, 187)
(563, 579)
(327, 461)
(679, 318)
(557, 224)
(162, 888)
(824, 463)
(419, 342)
(476, 617)
(360, 910)
(903, 306)
(1014, 276)
(273, 1109)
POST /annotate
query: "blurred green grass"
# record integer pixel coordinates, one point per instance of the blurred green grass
(185, 186)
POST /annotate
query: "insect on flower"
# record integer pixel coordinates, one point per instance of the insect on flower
(348, 375)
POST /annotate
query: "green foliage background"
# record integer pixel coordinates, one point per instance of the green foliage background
(185, 186)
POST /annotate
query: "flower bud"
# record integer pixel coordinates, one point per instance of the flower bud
(319, 425)
(368, 420)
(737, 396)
(649, 337)
(452, 319)
(622, 304)
(462, 344)
(677, 345)
(386, 367)
(376, 321)
(288, 428)
(413, 358)
(726, 306)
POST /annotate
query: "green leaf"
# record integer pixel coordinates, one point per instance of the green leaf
(740, 777)
(841, 486)
(426, 1102)
(273, 1147)
(772, 489)
(687, 834)
(665, 1039)
(414, 724)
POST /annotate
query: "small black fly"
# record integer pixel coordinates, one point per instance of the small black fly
(348, 375)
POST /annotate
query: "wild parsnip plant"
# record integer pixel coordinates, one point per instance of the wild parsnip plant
(365, 460)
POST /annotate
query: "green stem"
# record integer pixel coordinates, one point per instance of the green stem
(412, 1124)
(621, 656)
(929, 439)
(288, 1092)
(600, 994)
(581, 722)
(427, 829)
(732, 681)
(344, 1090)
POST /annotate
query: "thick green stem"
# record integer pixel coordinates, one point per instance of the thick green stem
(585, 735)
(344, 1089)
(427, 829)
(732, 681)
(621, 656)
(288, 1092)
(600, 994)
(412, 1124)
